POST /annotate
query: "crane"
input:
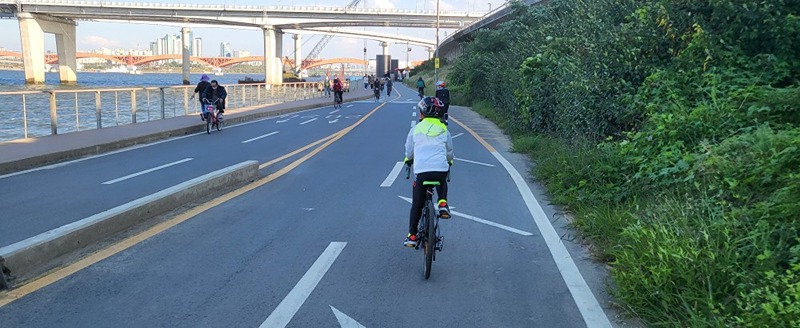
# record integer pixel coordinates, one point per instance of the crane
(326, 38)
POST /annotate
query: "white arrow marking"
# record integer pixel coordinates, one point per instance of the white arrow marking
(392, 175)
(286, 310)
(348, 106)
(334, 121)
(333, 111)
(479, 220)
(458, 135)
(260, 137)
(311, 120)
(338, 116)
(345, 321)
(146, 171)
(329, 116)
(282, 121)
(474, 162)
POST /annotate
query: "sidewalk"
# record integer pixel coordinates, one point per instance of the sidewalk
(24, 154)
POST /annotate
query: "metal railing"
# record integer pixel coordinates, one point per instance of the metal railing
(28, 114)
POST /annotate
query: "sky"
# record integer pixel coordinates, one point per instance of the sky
(94, 35)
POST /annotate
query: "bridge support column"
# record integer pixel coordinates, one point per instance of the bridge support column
(32, 29)
(298, 61)
(385, 46)
(272, 64)
(186, 44)
(279, 55)
(430, 53)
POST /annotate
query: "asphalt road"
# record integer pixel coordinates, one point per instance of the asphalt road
(319, 246)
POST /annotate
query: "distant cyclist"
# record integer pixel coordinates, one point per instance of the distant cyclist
(421, 87)
(215, 94)
(444, 95)
(338, 90)
(389, 87)
(429, 148)
(201, 89)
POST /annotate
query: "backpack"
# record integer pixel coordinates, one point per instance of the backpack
(337, 86)
(420, 84)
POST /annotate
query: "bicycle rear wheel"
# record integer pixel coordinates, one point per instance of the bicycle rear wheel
(429, 238)
(218, 123)
(208, 123)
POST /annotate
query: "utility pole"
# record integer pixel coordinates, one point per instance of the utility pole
(436, 52)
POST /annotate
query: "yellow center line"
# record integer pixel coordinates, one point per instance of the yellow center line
(479, 138)
(22, 291)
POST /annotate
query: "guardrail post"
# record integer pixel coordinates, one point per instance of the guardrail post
(53, 116)
(133, 106)
(24, 126)
(98, 109)
(185, 101)
(163, 103)
(244, 96)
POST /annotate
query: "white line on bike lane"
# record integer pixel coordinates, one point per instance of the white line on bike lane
(458, 135)
(479, 220)
(473, 162)
(260, 137)
(286, 310)
(311, 120)
(392, 175)
(146, 171)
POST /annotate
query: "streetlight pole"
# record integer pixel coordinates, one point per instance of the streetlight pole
(436, 51)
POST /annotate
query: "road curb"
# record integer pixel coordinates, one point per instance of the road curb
(36, 255)
(40, 160)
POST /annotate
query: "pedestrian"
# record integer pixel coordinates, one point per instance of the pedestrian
(389, 87)
(327, 86)
(421, 87)
(365, 80)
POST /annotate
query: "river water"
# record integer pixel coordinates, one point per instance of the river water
(79, 113)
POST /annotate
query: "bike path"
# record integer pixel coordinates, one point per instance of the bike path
(234, 264)
(41, 200)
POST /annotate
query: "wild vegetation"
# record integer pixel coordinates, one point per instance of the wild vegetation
(670, 129)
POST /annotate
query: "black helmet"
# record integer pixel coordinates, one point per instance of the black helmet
(430, 106)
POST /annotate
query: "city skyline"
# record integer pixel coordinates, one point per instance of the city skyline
(138, 36)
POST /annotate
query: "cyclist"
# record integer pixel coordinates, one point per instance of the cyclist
(376, 89)
(213, 93)
(389, 87)
(201, 89)
(338, 90)
(444, 95)
(421, 87)
(429, 148)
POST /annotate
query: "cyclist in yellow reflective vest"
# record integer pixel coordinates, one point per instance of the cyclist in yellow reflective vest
(429, 147)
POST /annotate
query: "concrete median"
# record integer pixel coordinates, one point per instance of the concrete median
(36, 255)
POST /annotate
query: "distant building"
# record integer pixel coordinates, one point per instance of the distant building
(197, 49)
(241, 53)
(225, 49)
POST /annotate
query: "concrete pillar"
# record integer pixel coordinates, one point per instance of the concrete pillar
(278, 56)
(66, 47)
(32, 29)
(385, 46)
(269, 54)
(298, 61)
(186, 51)
(32, 37)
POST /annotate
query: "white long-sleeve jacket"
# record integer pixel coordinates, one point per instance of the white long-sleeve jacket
(430, 145)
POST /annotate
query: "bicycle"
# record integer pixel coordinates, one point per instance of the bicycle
(337, 99)
(212, 119)
(428, 233)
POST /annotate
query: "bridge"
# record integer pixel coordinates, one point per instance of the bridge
(60, 17)
(131, 60)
